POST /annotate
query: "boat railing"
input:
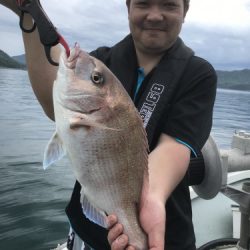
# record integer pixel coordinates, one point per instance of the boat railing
(218, 164)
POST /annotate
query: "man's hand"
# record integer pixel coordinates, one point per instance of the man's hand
(10, 4)
(116, 238)
(152, 219)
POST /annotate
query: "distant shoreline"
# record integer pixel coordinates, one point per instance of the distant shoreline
(234, 89)
(24, 68)
(234, 80)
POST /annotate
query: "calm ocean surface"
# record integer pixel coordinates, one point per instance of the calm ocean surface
(32, 200)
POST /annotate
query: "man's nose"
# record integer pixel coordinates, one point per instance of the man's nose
(155, 14)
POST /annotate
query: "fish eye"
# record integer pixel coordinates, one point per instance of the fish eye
(97, 77)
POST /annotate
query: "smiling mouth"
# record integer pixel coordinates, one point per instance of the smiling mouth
(154, 30)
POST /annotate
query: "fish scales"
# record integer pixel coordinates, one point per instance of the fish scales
(100, 130)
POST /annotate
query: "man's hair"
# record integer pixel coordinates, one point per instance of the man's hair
(186, 4)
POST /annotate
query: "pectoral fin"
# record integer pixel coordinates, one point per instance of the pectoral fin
(92, 213)
(54, 151)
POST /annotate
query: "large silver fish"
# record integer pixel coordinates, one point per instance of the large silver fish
(100, 130)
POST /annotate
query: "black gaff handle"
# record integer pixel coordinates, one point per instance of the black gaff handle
(47, 31)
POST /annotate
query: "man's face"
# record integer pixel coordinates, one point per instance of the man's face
(155, 24)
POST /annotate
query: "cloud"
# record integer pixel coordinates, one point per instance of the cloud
(225, 50)
(94, 24)
(222, 13)
(217, 30)
(11, 36)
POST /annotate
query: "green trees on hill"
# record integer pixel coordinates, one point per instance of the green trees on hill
(8, 62)
(237, 79)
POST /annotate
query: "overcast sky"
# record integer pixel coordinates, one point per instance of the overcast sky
(218, 30)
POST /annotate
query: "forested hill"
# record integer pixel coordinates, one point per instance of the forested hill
(21, 59)
(237, 79)
(8, 62)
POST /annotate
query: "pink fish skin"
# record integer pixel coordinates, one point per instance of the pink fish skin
(100, 130)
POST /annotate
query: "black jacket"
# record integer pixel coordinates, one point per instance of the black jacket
(186, 115)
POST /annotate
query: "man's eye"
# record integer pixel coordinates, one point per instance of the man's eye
(170, 5)
(141, 3)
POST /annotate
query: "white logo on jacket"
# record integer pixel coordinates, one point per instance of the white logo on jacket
(149, 105)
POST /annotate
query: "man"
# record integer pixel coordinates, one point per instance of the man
(182, 129)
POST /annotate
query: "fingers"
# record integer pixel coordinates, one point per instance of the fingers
(111, 220)
(120, 243)
(114, 233)
(130, 248)
(116, 238)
